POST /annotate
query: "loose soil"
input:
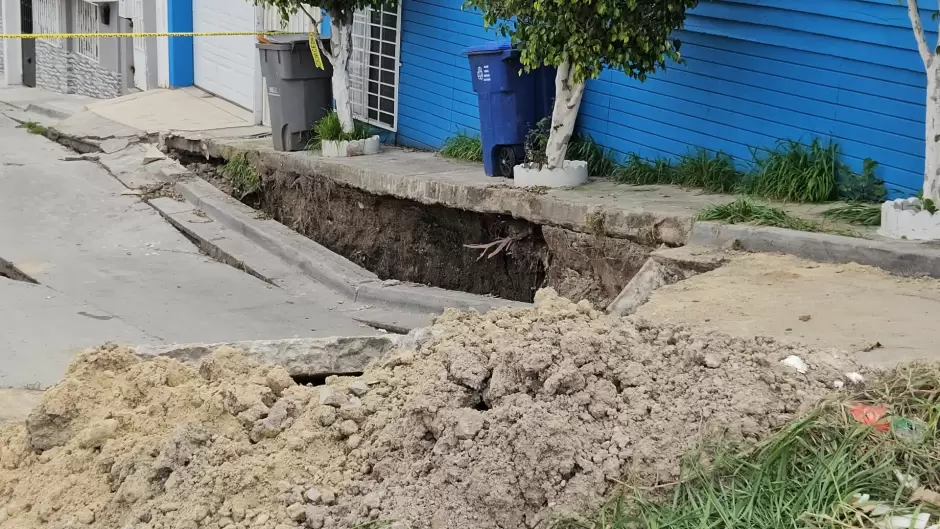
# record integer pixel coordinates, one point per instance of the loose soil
(408, 241)
(501, 419)
(882, 319)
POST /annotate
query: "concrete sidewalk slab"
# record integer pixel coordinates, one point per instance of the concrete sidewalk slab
(188, 109)
(52, 104)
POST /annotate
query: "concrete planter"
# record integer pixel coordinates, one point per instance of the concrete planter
(906, 218)
(340, 149)
(572, 173)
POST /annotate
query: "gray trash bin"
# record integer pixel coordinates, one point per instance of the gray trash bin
(299, 93)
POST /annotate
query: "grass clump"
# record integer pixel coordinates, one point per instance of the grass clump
(600, 160)
(463, 147)
(857, 213)
(796, 172)
(33, 127)
(639, 171)
(329, 128)
(713, 172)
(824, 470)
(242, 176)
(745, 211)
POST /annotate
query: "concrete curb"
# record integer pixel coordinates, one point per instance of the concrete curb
(319, 262)
(303, 357)
(903, 258)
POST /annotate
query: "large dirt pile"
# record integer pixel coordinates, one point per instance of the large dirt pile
(492, 420)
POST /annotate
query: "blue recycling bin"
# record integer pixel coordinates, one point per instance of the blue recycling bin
(510, 104)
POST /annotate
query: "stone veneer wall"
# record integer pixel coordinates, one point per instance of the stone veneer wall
(71, 73)
(52, 67)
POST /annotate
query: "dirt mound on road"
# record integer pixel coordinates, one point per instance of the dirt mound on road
(492, 420)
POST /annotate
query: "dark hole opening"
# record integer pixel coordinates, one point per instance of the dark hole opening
(319, 379)
(481, 405)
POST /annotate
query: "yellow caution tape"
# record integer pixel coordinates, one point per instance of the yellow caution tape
(315, 50)
(144, 35)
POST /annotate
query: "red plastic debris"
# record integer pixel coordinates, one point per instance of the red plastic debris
(871, 416)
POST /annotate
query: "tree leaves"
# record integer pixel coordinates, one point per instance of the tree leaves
(339, 10)
(627, 35)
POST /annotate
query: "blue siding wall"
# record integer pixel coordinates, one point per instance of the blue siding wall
(756, 71)
(436, 99)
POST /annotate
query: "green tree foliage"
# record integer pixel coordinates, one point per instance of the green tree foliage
(632, 36)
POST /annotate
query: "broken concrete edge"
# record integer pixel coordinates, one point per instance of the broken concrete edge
(544, 209)
(10, 271)
(664, 267)
(904, 258)
(318, 262)
(211, 249)
(48, 110)
(302, 357)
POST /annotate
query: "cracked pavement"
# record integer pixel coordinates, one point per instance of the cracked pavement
(109, 267)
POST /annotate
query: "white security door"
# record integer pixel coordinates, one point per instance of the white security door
(225, 66)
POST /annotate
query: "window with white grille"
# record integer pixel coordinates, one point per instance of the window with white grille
(46, 19)
(86, 21)
(373, 66)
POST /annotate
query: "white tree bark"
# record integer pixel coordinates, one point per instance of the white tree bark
(932, 125)
(338, 56)
(932, 148)
(341, 44)
(567, 102)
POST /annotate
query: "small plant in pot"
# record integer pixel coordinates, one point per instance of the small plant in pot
(333, 141)
(581, 39)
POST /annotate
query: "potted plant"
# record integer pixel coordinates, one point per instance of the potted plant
(341, 45)
(335, 142)
(581, 39)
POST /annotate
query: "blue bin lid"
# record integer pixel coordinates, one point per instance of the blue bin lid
(489, 47)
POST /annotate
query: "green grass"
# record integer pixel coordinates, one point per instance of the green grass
(746, 211)
(639, 171)
(243, 177)
(463, 147)
(857, 213)
(329, 128)
(34, 128)
(795, 172)
(713, 172)
(806, 475)
(600, 160)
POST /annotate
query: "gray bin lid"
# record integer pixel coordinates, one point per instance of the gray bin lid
(285, 42)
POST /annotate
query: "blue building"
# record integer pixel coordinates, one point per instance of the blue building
(755, 71)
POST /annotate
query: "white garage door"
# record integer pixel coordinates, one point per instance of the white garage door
(225, 66)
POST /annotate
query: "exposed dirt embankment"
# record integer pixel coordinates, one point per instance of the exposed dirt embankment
(485, 420)
(439, 246)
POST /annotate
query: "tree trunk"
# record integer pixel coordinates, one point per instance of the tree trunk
(567, 102)
(341, 44)
(932, 151)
